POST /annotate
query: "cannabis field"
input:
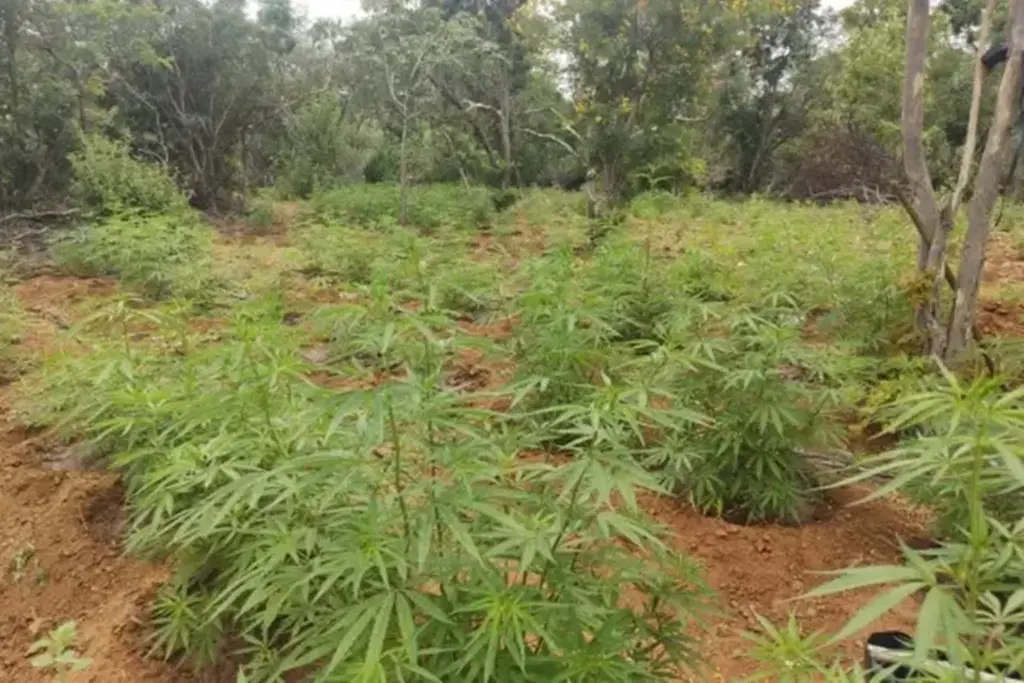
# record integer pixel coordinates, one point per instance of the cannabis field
(315, 444)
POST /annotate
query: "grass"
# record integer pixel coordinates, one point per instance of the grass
(386, 522)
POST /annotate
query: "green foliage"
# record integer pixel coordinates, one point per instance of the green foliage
(56, 653)
(769, 399)
(324, 150)
(654, 204)
(344, 255)
(109, 180)
(562, 345)
(377, 534)
(12, 322)
(968, 454)
(955, 429)
(261, 217)
(160, 256)
(430, 206)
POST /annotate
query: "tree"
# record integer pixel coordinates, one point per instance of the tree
(934, 219)
(640, 73)
(395, 57)
(763, 102)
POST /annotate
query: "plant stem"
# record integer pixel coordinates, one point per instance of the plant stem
(396, 440)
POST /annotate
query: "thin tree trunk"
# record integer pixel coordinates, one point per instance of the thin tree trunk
(506, 132)
(245, 168)
(934, 239)
(403, 175)
(986, 190)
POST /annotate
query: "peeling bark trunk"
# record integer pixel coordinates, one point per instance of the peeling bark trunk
(986, 190)
(935, 226)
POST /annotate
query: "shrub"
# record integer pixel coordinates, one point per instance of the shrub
(562, 345)
(654, 204)
(437, 206)
(635, 291)
(109, 180)
(387, 534)
(261, 217)
(161, 256)
(11, 325)
(367, 206)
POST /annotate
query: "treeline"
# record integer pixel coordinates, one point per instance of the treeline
(756, 96)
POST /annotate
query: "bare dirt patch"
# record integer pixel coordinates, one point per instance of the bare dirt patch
(760, 569)
(1004, 269)
(61, 559)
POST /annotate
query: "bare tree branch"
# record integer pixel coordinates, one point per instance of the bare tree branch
(38, 216)
(553, 138)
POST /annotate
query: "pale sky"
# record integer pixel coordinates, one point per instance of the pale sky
(347, 9)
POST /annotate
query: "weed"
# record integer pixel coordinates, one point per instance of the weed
(56, 653)
(967, 454)
(261, 217)
(391, 532)
(21, 560)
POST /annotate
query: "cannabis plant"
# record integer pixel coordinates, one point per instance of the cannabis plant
(393, 533)
(769, 399)
(159, 255)
(969, 453)
(56, 653)
(634, 289)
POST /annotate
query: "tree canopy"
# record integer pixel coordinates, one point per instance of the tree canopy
(770, 96)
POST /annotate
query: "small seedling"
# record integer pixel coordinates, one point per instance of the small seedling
(56, 653)
(20, 561)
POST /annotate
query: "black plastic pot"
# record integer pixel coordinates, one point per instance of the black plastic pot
(887, 653)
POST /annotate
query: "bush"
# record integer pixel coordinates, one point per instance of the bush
(261, 217)
(430, 206)
(161, 256)
(562, 344)
(635, 291)
(374, 535)
(109, 180)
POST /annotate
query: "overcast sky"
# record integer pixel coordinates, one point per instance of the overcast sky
(346, 9)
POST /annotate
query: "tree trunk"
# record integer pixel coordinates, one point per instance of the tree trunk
(931, 252)
(403, 175)
(506, 132)
(986, 190)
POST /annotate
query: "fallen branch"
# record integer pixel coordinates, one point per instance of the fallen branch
(38, 216)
